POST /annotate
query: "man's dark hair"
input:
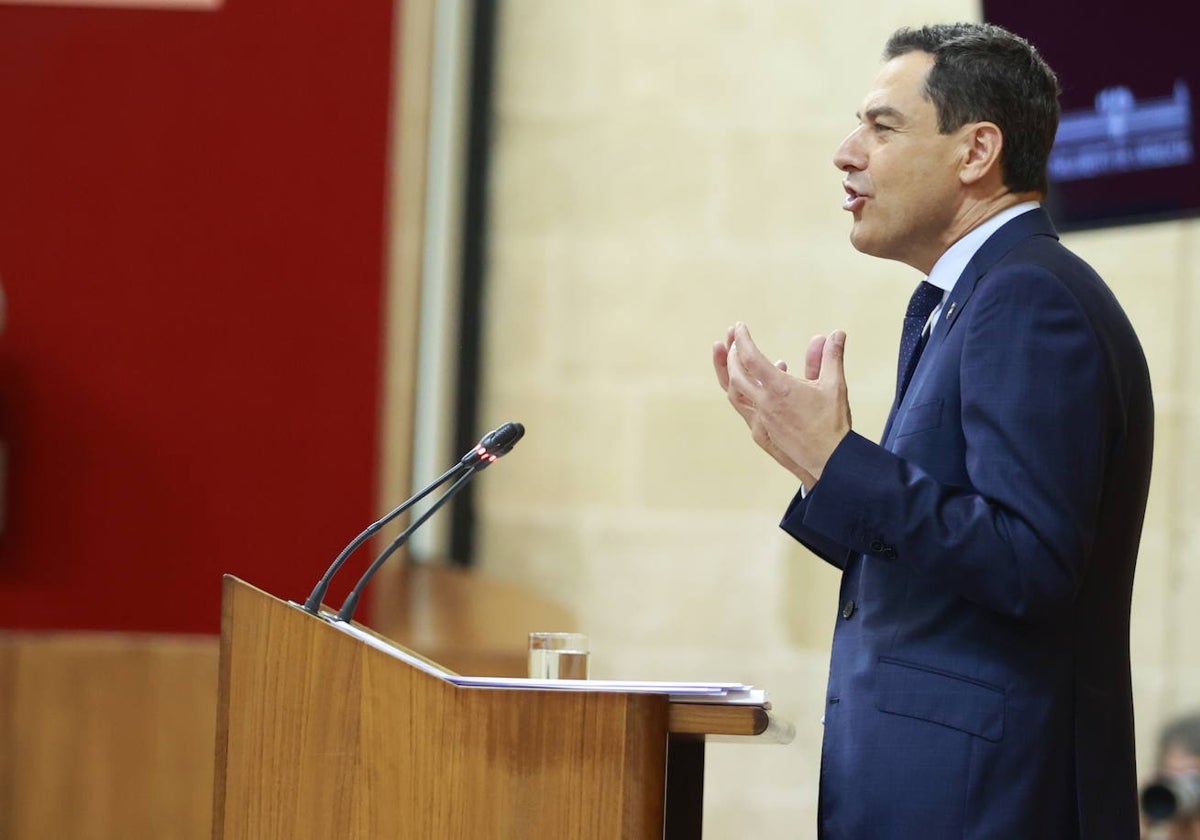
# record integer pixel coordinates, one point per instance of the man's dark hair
(982, 72)
(1183, 733)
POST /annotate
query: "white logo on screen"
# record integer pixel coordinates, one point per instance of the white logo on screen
(1123, 135)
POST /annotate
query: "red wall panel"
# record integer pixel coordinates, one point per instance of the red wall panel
(191, 245)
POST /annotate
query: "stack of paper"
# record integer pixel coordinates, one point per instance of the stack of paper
(683, 692)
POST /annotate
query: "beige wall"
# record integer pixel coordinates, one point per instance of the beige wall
(661, 170)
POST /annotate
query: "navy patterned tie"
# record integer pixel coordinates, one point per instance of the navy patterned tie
(923, 301)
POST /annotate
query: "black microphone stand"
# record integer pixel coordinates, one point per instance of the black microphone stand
(351, 602)
(313, 604)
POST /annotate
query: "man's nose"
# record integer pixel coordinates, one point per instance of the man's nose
(850, 154)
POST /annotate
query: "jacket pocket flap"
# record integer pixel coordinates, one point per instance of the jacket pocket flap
(940, 697)
(918, 418)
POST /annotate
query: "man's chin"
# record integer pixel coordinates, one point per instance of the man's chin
(863, 243)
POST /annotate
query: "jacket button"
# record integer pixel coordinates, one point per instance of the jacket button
(848, 608)
(877, 545)
(889, 552)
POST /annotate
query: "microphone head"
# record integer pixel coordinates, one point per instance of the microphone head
(503, 439)
(494, 444)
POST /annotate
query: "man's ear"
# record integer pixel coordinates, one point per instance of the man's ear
(982, 145)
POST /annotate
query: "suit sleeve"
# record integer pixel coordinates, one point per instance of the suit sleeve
(828, 550)
(1036, 401)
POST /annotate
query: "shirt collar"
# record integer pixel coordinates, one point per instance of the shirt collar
(952, 263)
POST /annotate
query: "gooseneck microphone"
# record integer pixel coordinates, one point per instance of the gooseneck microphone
(351, 602)
(313, 604)
(493, 445)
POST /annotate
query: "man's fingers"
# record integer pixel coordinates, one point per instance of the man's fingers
(749, 357)
(740, 379)
(722, 352)
(812, 357)
(720, 356)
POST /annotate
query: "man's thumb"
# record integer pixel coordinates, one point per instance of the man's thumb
(833, 355)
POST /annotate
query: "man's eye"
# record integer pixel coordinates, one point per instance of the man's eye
(880, 127)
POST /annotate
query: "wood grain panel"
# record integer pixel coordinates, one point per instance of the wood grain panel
(320, 735)
(107, 735)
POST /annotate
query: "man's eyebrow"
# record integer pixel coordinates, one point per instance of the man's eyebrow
(882, 111)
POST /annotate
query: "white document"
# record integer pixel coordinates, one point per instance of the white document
(684, 692)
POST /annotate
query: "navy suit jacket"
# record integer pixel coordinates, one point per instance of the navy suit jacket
(979, 682)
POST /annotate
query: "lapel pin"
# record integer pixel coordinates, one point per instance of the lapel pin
(950, 311)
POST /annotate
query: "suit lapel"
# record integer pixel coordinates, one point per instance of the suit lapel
(1034, 223)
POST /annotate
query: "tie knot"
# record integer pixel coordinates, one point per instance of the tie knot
(924, 299)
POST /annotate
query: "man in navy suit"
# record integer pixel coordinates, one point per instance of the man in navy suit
(979, 682)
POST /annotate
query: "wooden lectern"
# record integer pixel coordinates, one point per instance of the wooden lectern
(321, 735)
